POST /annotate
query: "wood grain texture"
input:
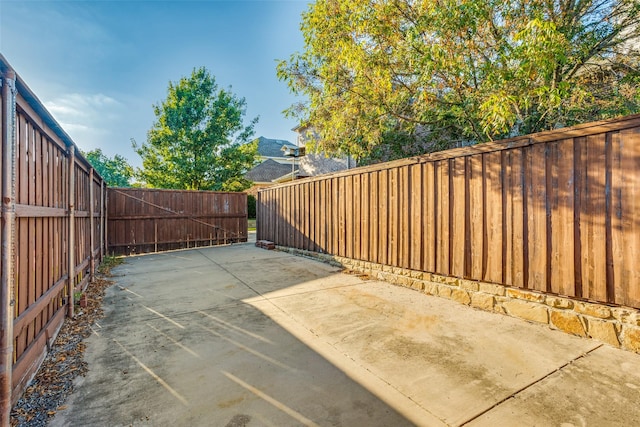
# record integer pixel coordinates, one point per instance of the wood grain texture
(41, 246)
(537, 217)
(555, 212)
(429, 211)
(416, 219)
(477, 217)
(459, 212)
(626, 218)
(182, 219)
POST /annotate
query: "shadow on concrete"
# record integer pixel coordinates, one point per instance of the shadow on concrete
(180, 346)
(236, 335)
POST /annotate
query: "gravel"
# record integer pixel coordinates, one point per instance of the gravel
(46, 393)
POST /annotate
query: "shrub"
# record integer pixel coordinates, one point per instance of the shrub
(251, 206)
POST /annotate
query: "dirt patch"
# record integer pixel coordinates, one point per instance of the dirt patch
(362, 276)
(53, 382)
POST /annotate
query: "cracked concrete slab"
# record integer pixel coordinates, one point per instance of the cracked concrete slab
(236, 335)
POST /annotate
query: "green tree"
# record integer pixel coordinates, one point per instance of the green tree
(391, 78)
(199, 141)
(115, 171)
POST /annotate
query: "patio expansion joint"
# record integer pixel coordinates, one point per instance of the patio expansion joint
(531, 384)
(231, 274)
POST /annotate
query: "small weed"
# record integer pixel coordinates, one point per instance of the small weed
(108, 262)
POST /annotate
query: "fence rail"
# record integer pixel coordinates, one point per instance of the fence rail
(146, 220)
(556, 212)
(52, 232)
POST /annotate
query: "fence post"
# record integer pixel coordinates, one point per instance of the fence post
(102, 220)
(92, 237)
(8, 120)
(106, 219)
(72, 229)
(258, 213)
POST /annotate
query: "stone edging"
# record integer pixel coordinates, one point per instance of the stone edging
(616, 326)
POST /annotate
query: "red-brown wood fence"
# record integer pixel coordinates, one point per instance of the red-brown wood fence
(145, 220)
(52, 232)
(557, 212)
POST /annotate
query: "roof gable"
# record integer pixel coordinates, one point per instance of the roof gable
(272, 147)
(267, 171)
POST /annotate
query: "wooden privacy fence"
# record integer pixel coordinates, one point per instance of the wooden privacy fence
(144, 220)
(557, 212)
(52, 232)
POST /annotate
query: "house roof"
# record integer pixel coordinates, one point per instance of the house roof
(268, 171)
(272, 147)
(288, 177)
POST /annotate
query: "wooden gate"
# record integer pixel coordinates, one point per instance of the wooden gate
(151, 220)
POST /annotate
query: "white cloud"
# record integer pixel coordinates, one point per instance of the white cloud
(88, 118)
(76, 107)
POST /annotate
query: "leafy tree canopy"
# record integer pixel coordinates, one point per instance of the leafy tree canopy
(115, 171)
(199, 141)
(392, 78)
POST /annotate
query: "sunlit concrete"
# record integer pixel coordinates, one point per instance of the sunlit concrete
(236, 335)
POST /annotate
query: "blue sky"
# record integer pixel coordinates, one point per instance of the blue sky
(99, 66)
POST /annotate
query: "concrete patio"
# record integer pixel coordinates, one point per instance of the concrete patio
(237, 335)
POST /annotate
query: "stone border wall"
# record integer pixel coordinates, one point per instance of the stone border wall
(616, 326)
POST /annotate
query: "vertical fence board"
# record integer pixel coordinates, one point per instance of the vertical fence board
(309, 217)
(514, 225)
(392, 209)
(626, 218)
(365, 206)
(442, 218)
(288, 212)
(348, 217)
(562, 266)
(536, 222)
(336, 225)
(493, 217)
(301, 215)
(404, 232)
(374, 217)
(383, 217)
(476, 211)
(507, 225)
(318, 217)
(519, 220)
(299, 212)
(294, 210)
(416, 221)
(322, 195)
(429, 212)
(459, 209)
(282, 206)
(328, 218)
(357, 215)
